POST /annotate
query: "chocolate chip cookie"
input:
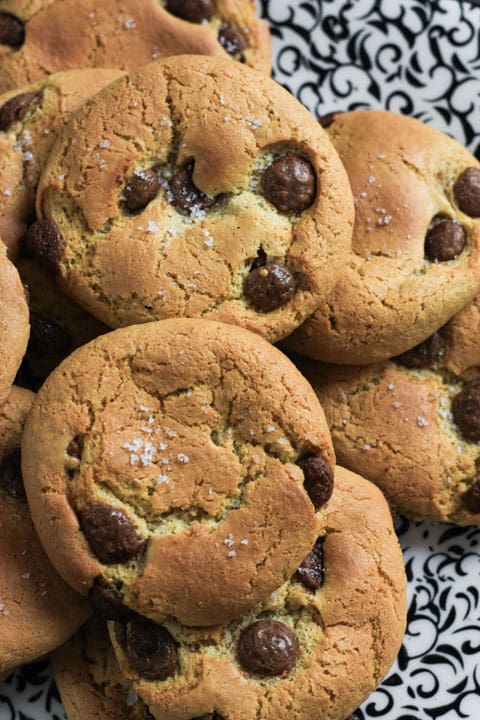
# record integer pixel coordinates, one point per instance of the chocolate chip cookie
(41, 38)
(416, 244)
(177, 468)
(412, 424)
(317, 646)
(38, 611)
(57, 325)
(89, 680)
(30, 120)
(229, 203)
(14, 323)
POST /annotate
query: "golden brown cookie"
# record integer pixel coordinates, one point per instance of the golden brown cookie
(89, 681)
(412, 425)
(40, 38)
(177, 468)
(57, 325)
(317, 646)
(14, 323)
(30, 120)
(229, 203)
(38, 611)
(415, 258)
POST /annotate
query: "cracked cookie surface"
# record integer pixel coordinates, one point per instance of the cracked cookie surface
(41, 38)
(38, 611)
(415, 257)
(347, 630)
(412, 424)
(14, 323)
(30, 120)
(163, 466)
(198, 188)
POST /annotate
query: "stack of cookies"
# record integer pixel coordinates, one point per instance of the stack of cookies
(169, 212)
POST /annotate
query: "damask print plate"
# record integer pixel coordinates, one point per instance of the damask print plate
(420, 58)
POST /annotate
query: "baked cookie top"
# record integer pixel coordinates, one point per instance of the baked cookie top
(315, 648)
(415, 251)
(40, 38)
(14, 323)
(412, 424)
(89, 680)
(30, 119)
(38, 611)
(164, 464)
(195, 187)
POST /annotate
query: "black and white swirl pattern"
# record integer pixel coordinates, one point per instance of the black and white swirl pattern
(420, 58)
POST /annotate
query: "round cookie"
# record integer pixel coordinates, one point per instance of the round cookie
(89, 681)
(30, 120)
(412, 424)
(57, 325)
(164, 464)
(229, 204)
(38, 611)
(41, 38)
(315, 648)
(14, 323)
(415, 258)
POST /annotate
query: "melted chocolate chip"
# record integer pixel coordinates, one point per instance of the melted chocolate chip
(141, 189)
(15, 109)
(289, 183)
(231, 39)
(467, 191)
(260, 260)
(12, 30)
(268, 647)
(471, 497)
(75, 447)
(466, 411)
(445, 239)
(107, 602)
(318, 480)
(311, 571)
(150, 649)
(424, 354)
(44, 243)
(196, 11)
(110, 534)
(187, 198)
(269, 286)
(47, 338)
(328, 119)
(11, 481)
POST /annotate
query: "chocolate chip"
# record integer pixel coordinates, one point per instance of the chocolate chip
(47, 338)
(150, 649)
(260, 260)
(44, 243)
(445, 239)
(110, 534)
(11, 481)
(107, 602)
(231, 39)
(269, 287)
(268, 647)
(424, 354)
(328, 119)
(467, 191)
(15, 109)
(75, 447)
(289, 183)
(141, 189)
(311, 571)
(196, 11)
(466, 411)
(471, 497)
(187, 198)
(318, 479)
(12, 30)
(210, 716)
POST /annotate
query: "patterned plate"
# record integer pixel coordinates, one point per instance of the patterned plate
(420, 58)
